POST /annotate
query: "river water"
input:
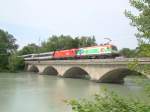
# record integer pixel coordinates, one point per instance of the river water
(28, 92)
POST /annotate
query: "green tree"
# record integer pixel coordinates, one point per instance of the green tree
(142, 22)
(16, 63)
(126, 52)
(66, 42)
(58, 43)
(7, 47)
(87, 41)
(144, 50)
(29, 49)
(76, 42)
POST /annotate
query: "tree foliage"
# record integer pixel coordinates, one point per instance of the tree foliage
(16, 63)
(7, 47)
(144, 50)
(66, 42)
(142, 22)
(86, 41)
(58, 43)
(128, 53)
(29, 49)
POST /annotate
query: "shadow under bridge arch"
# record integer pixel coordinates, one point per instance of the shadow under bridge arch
(49, 71)
(76, 72)
(34, 69)
(117, 75)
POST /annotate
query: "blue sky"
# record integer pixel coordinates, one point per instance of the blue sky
(29, 20)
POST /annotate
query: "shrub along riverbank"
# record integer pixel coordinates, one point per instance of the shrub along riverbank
(109, 102)
(15, 64)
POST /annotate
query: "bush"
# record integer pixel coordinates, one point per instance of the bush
(108, 102)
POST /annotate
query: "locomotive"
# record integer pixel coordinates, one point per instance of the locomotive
(93, 52)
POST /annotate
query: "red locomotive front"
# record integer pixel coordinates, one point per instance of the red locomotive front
(71, 53)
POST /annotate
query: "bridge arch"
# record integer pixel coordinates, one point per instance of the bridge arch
(117, 75)
(50, 70)
(76, 72)
(34, 69)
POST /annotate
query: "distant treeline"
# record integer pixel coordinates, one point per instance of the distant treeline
(59, 43)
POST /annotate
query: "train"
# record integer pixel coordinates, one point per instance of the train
(94, 52)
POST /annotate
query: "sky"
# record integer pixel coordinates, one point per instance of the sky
(33, 21)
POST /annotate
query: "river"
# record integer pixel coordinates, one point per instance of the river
(29, 92)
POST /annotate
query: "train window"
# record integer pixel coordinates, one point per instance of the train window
(114, 48)
(43, 54)
(27, 56)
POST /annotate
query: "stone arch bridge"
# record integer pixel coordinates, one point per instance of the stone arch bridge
(99, 70)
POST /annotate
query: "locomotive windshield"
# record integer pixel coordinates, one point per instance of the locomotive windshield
(114, 48)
